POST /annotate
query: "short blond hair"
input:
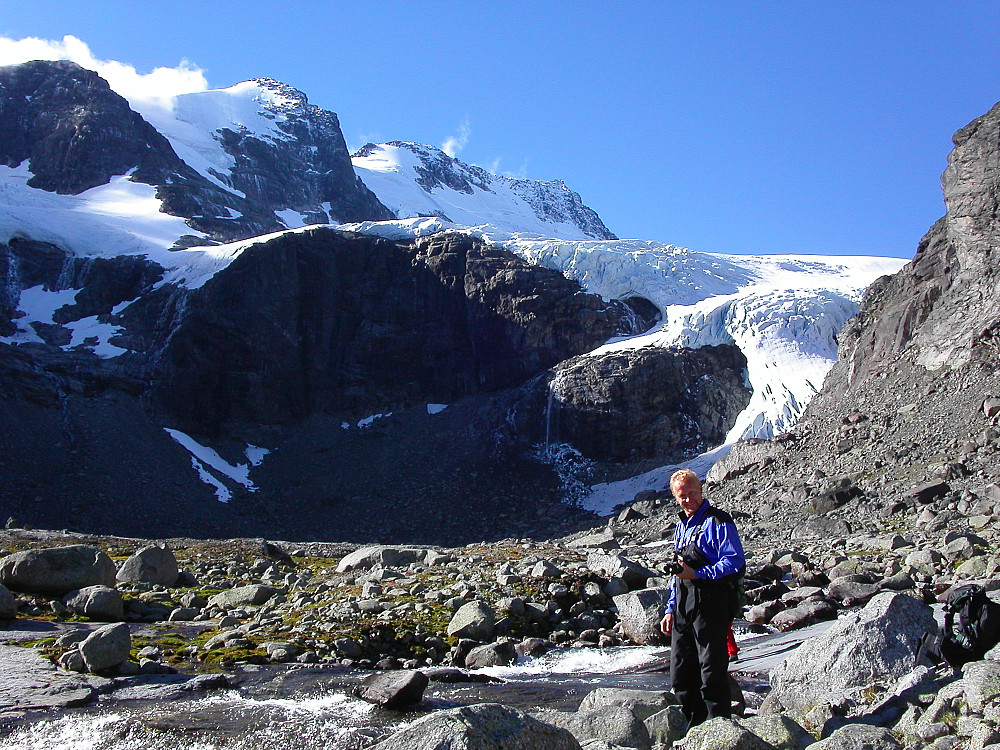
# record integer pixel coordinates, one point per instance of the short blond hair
(683, 476)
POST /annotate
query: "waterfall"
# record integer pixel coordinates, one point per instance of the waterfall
(551, 425)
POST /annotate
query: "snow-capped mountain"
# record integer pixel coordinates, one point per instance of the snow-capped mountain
(218, 267)
(417, 180)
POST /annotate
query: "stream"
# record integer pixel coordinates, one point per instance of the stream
(300, 707)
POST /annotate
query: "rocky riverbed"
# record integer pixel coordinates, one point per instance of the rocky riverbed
(182, 620)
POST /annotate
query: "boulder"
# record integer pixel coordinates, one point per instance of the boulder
(876, 643)
(613, 723)
(8, 604)
(97, 603)
(475, 620)
(617, 566)
(982, 684)
(804, 613)
(643, 703)
(58, 570)
(499, 654)
(639, 614)
(484, 726)
(379, 556)
(107, 647)
(396, 689)
(723, 734)
(244, 596)
(850, 593)
(153, 564)
(667, 726)
(855, 736)
(781, 732)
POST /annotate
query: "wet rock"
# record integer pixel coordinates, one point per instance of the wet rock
(639, 615)
(397, 689)
(29, 682)
(805, 613)
(475, 620)
(106, 648)
(58, 570)
(878, 642)
(97, 603)
(499, 654)
(485, 726)
(153, 564)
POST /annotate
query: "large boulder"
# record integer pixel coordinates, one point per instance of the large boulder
(499, 654)
(855, 736)
(106, 648)
(639, 614)
(485, 726)
(617, 566)
(475, 620)
(380, 556)
(394, 689)
(245, 596)
(643, 703)
(878, 643)
(613, 723)
(153, 564)
(58, 570)
(97, 603)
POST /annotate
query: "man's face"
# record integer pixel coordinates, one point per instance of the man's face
(687, 493)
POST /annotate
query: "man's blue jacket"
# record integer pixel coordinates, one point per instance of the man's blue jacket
(715, 535)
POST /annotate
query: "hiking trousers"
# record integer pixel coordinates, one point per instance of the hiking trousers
(699, 662)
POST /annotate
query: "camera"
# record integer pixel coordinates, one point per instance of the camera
(673, 569)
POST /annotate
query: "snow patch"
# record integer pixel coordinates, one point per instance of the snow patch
(203, 458)
(436, 408)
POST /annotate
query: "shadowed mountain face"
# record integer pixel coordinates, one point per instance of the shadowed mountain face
(294, 343)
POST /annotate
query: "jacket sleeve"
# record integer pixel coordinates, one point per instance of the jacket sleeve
(720, 543)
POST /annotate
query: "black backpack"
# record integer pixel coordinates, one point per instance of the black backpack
(971, 625)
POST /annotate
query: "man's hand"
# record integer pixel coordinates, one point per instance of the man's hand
(687, 574)
(667, 623)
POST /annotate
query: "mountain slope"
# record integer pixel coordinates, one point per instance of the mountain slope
(415, 180)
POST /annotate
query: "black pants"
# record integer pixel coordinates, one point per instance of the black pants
(699, 661)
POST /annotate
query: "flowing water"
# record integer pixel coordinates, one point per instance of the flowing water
(312, 708)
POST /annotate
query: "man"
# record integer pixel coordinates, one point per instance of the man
(702, 601)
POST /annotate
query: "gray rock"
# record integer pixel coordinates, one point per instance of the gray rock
(8, 604)
(380, 556)
(244, 596)
(805, 613)
(856, 737)
(877, 643)
(617, 566)
(30, 682)
(850, 593)
(639, 614)
(349, 648)
(153, 564)
(396, 689)
(643, 703)
(780, 732)
(545, 569)
(485, 726)
(499, 654)
(58, 570)
(614, 723)
(723, 734)
(475, 620)
(982, 683)
(107, 647)
(97, 603)
(666, 726)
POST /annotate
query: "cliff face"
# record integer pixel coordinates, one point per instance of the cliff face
(944, 307)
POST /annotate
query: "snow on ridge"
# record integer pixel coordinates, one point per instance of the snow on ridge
(411, 181)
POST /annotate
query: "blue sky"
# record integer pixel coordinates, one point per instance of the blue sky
(798, 127)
